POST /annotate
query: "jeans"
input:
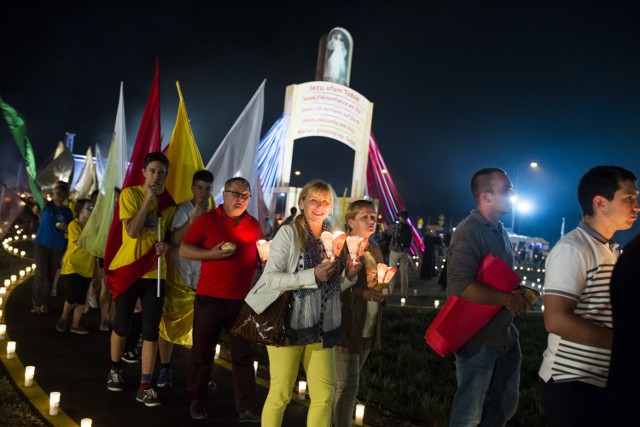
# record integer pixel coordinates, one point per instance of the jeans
(320, 368)
(488, 384)
(401, 257)
(348, 366)
(210, 316)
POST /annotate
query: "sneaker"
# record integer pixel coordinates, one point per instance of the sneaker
(105, 325)
(115, 381)
(197, 411)
(93, 302)
(132, 356)
(148, 396)
(79, 330)
(61, 326)
(248, 416)
(165, 379)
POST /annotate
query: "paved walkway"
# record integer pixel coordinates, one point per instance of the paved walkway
(77, 366)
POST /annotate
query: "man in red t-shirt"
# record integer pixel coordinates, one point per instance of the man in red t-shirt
(226, 276)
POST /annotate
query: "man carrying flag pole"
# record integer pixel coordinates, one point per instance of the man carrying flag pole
(133, 272)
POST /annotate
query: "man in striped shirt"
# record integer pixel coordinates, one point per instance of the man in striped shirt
(577, 304)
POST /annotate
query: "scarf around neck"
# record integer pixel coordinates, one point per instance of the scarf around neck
(316, 313)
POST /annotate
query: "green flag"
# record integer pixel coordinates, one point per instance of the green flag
(19, 131)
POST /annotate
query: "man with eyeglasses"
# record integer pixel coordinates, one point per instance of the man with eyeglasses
(50, 245)
(224, 239)
(182, 277)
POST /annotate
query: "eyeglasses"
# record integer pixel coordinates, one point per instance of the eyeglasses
(236, 195)
(90, 208)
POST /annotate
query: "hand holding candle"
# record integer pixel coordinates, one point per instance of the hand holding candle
(353, 244)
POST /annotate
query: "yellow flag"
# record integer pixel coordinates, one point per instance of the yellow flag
(184, 156)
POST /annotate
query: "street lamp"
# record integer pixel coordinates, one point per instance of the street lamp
(532, 165)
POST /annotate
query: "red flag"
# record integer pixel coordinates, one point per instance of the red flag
(148, 140)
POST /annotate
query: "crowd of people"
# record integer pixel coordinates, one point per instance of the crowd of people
(209, 267)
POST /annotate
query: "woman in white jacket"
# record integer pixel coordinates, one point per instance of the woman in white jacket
(295, 264)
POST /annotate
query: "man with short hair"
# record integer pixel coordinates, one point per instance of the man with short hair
(183, 273)
(488, 366)
(226, 276)
(50, 244)
(139, 212)
(577, 301)
(401, 237)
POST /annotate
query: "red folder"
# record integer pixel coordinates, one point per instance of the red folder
(460, 320)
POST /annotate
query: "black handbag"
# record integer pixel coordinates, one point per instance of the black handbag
(269, 327)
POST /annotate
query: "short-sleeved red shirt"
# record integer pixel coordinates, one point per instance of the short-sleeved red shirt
(232, 277)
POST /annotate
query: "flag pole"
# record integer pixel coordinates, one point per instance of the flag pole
(160, 257)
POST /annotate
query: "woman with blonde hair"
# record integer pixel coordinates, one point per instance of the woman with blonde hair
(296, 264)
(361, 313)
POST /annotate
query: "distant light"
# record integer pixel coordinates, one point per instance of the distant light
(297, 173)
(533, 164)
(282, 194)
(383, 170)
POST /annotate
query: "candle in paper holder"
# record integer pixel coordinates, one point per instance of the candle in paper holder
(359, 415)
(7, 283)
(385, 274)
(86, 422)
(302, 390)
(217, 355)
(333, 243)
(3, 291)
(3, 331)
(54, 402)
(264, 248)
(353, 244)
(11, 349)
(29, 373)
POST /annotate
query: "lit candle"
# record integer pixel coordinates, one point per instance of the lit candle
(0, 314)
(415, 292)
(11, 349)
(54, 402)
(1, 300)
(28, 269)
(359, 414)
(85, 422)
(436, 303)
(302, 389)
(3, 291)
(15, 250)
(402, 301)
(255, 368)
(29, 372)
(33, 236)
(217, 356)
(22, 253)
(14, 278)
(33, 266)
(7, 282)
(3, 330)
(21, 273)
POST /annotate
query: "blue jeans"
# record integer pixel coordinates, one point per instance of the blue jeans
(488, 383)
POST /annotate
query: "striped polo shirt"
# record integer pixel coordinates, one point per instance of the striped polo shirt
(579, 267)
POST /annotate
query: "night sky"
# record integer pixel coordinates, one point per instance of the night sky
(456, 86)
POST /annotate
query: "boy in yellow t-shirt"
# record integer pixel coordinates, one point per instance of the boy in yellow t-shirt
(77, 271)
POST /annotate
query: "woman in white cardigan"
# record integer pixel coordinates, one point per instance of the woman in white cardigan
(296, 264)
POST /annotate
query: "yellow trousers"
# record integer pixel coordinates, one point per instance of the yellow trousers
(320, 367)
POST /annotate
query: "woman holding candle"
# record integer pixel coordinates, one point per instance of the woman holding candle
(77, 271)
(296, 264)
(361, 313)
